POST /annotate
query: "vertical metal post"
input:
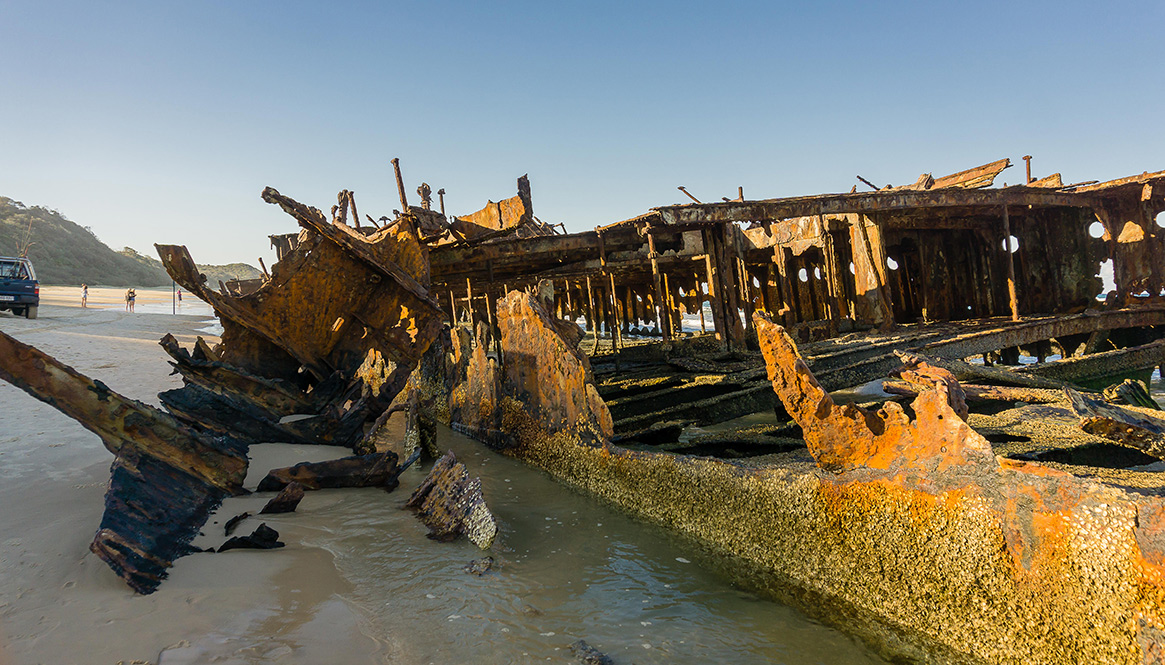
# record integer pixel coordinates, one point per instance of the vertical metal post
(469, 302)
(663, 317)
(700, 303)
(400, 187)
(1012, 298)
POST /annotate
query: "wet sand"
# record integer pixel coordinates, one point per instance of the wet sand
(358, 581)
(58, 602)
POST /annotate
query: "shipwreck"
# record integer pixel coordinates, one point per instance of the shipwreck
(912, 411)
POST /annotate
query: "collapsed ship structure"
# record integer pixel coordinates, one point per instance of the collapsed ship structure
(906, 409)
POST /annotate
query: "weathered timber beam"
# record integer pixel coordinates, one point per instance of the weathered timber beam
(1142, 429)
(868, 202)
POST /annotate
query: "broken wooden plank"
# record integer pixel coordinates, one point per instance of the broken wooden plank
(1143, 429)
(451, 504)
(166, 478)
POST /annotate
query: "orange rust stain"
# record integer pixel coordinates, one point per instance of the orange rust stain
(844, 437)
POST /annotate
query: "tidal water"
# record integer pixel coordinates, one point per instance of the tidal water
(567, 566)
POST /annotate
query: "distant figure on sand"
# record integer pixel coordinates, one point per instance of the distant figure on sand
(84, 295)
(130, 295)
(179, 296)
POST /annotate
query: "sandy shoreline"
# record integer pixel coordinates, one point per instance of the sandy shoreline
(58, 602)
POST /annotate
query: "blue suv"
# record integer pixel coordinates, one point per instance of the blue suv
(19, 290)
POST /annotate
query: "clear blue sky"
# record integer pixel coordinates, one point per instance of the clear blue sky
(162, 122)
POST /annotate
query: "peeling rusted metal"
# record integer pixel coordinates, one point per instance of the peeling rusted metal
(845, 437)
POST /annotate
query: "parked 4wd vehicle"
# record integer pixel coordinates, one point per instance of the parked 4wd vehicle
(19, 290)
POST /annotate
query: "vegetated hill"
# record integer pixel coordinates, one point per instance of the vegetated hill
(64, 252)
(213, 273)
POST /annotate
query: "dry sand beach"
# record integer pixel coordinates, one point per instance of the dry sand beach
(358, 581)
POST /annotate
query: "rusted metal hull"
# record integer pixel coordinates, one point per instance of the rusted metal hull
(902, 523)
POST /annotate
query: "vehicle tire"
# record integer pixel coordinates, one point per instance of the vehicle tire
(30, 311)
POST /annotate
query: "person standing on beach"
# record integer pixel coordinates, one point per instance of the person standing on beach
(129, 298)
(84, 295)
(179, 296)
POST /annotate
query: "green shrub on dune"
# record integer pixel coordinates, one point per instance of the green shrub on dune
(69, 254)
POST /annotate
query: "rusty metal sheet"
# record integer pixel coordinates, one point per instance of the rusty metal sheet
(507, 214)
(847, 437)
(973, 178)
(330, 300)
(234, 401)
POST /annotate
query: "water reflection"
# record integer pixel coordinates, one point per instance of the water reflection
(567, 567)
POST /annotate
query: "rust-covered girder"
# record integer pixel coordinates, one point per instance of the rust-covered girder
(870, 202)
(166, 478)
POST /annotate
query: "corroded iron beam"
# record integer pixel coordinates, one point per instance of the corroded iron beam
(866, 363)
(869, 202)
(1103, 364)
(166, 478)
(122, 423)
